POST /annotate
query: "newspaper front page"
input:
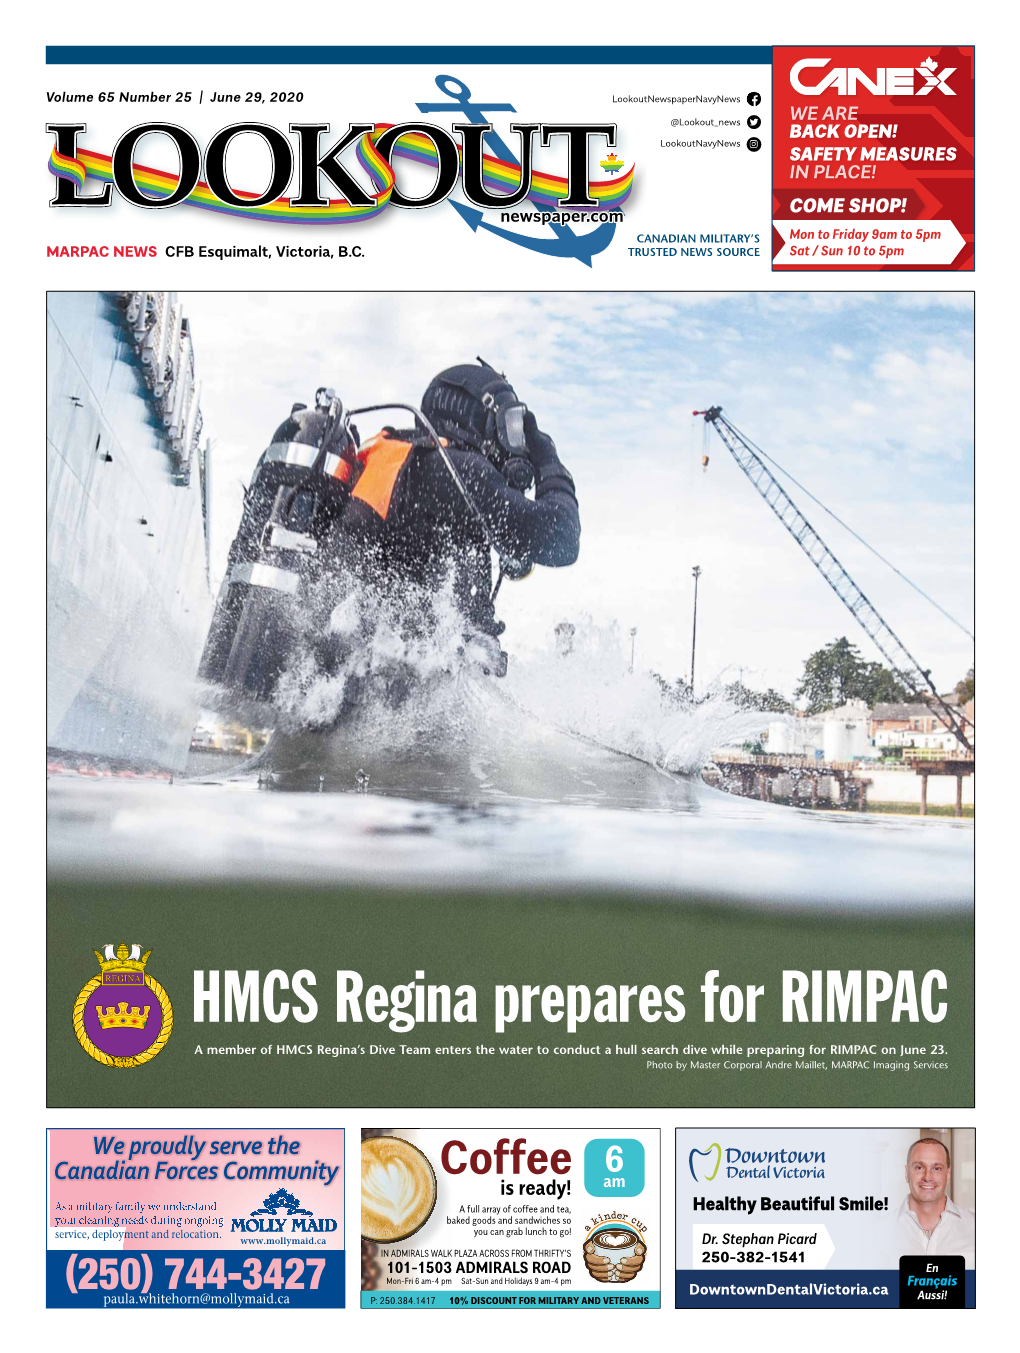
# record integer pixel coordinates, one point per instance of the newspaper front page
(509, 634)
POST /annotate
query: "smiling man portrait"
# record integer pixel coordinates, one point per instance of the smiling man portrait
(928, 1221)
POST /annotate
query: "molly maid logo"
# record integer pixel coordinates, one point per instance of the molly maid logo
(268, 1218)
(705, 1165)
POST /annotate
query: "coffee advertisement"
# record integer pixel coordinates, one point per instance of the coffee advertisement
(538, 1220)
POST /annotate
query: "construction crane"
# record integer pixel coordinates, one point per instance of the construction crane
(916, 678)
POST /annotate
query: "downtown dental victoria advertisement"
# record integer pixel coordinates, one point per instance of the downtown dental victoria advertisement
(509, 641)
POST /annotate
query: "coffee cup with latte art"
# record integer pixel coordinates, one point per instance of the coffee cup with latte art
(398, 1189)
(614, 1254)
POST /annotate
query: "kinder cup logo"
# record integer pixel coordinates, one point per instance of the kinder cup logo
(614, 1252)
(703, 1176)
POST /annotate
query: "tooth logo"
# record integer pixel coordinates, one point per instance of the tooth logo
(715, 1169)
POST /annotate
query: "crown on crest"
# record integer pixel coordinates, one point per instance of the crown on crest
(122, 1017)
(123, 959)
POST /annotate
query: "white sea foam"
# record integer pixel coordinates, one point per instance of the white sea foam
(392, 662)
(590, 691)
(406, 676)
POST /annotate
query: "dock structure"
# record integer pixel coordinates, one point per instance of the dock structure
(756, 774)
(943, 764)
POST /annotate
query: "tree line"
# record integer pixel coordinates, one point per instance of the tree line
(833, 675)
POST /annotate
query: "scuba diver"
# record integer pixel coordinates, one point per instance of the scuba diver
(420, 519)
(341, 543)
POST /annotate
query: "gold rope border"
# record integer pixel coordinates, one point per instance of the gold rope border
(104, 1057)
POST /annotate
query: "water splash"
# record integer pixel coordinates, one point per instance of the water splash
(583, 683)
(396, 665)
(399, 681)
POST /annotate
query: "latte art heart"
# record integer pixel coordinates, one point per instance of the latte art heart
(398, 1189)
(390, 1190)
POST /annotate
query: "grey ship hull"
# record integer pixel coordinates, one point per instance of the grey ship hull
(127, 591)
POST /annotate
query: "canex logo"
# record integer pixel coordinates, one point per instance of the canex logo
(717, 1149)
(886, 80)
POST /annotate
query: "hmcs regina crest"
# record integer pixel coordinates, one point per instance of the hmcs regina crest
(123, 1017)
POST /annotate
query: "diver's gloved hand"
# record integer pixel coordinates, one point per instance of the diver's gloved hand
(541, 447)
(550, 472)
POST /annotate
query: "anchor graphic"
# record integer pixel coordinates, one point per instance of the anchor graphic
(567, 244)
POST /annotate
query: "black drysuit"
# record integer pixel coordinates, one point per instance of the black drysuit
(408, 524)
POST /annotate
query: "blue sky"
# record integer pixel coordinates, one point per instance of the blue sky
(866, 398)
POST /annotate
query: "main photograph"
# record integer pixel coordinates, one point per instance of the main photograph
(477, 699)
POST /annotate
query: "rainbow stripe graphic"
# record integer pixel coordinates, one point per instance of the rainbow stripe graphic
(63, 167)
(497, 175)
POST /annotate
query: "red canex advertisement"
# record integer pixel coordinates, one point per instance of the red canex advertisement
(873, 158)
